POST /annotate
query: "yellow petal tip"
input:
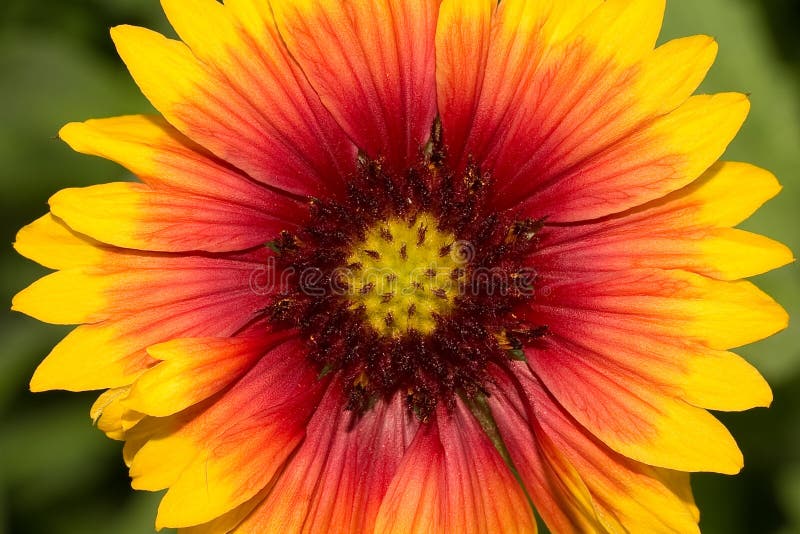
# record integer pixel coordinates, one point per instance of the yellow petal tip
(39, 382)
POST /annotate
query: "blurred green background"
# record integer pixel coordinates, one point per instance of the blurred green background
(59, 475)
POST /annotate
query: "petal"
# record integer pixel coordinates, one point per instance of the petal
(228, 522)
(452, 479)
(178, 297)
(339, 475)
(663, 156)
(613, 361)
(557, 490)
(117, 358)
(192, 370)
(568, 87)
(417, 496)
(624, 495)
(240, 98)
(165, 159)
(66, 297)
(373, 65)
(229, 453)
(680, 368)
(462, 48)
(723, 381)
(111, 416)
(522, 33)
(640, 421)
(53, 244)
(721, 315)
(126, 285)
(132, 215)
(688, 230)
(673, 71)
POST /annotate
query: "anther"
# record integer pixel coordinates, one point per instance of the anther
(421, 232)
(367, 288)
(374, 254)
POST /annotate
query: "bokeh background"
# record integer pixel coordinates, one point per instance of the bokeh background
(59, 475)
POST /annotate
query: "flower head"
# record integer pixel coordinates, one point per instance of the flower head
(411, 266)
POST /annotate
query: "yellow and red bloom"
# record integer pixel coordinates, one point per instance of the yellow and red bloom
(413, 266)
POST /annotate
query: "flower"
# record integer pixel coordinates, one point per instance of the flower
(403, 266)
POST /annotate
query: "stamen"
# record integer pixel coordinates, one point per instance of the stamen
(421, 233)
(367, 288)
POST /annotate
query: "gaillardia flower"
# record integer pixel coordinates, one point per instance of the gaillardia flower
(413, 266)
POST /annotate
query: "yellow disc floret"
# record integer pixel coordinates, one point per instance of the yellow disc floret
(404, 274)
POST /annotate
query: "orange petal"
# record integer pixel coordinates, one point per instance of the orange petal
(373, 65)
(559, 494)
(522, 33)
(240, 98)
(462, 48)
(226, 455)
(132, 215)
(564, 84)
(192, 370)
(660, 157)
(164, 158)
(204, 290)
(452, 479)
(612, 360)
(689, 229)
(623, 495)
(339, 475)
(128, 285)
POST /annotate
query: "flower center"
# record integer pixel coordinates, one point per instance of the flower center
(405, 274)
(409, 283)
